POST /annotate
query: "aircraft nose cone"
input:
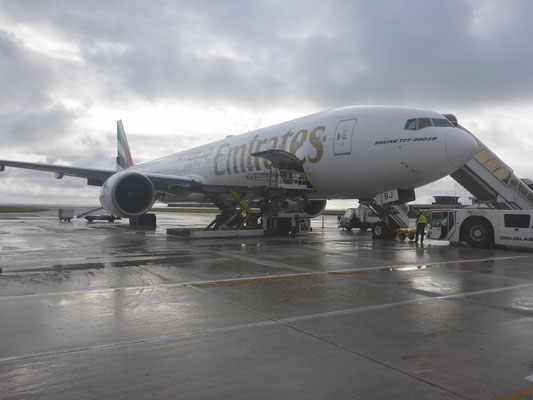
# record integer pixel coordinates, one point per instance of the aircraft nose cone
(460, 147)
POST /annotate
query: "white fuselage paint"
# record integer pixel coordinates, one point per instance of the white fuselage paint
(378, 155)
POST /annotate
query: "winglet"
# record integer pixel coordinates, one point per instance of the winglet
(124, 159)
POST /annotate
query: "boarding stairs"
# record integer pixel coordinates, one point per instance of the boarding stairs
(396, 216)
(492, 181)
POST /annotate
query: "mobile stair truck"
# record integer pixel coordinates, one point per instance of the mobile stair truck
(483, 227)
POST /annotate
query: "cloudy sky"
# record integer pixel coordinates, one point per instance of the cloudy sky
(184, 73)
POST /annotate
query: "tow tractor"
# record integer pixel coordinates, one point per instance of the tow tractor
(483, 227)
(406, 234)
(97, 217)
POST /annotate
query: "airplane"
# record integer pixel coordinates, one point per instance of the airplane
(376, 154)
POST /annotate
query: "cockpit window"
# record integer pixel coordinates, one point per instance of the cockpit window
(442, 122)
(410, 125)
(424, 123)
(414, 124)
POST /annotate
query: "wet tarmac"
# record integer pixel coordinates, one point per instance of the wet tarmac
(105, 310)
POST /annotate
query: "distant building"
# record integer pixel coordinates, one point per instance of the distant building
(446, 200)
(440, 202)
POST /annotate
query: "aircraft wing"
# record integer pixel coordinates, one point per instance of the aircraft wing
(165, 182)
(94, 176)
(97, 177)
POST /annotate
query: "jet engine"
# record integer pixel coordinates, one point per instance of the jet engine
(315, 207)
(128, 194)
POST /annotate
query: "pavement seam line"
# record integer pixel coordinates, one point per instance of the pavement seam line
(268, 322)
(287, 322)
(264, 278)
(352, 351)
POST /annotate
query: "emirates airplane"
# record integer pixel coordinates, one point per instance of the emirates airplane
(381, 153)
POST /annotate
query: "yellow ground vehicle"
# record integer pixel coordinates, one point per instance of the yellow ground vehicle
(406, 233)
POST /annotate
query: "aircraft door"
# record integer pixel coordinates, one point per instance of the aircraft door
(343, 137)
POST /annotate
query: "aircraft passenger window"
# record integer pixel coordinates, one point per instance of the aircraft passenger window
(424, 123)
(517, 220)
(441, 122)
(411, 125)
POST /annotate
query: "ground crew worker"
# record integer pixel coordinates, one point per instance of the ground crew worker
(421, 226)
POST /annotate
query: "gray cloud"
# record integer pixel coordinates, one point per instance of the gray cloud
(44, 128)
(332, 53)
(25, 82)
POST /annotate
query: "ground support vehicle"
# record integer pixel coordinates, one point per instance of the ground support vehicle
(284, 223)
(483, 227)
(406, 234)
(65, 214)
(357, 218)
(108, 218)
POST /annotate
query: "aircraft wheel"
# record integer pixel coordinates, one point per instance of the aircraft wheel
(380, 230)
(479, 233)
(401, 236)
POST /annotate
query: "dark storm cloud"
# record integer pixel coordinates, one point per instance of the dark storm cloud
(329, 53)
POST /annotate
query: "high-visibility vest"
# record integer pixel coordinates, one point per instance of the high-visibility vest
(422, 219)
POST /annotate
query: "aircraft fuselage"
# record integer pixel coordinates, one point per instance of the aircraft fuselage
(351, 152)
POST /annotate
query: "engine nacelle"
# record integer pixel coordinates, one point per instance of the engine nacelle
(128, 194)
(315, 207)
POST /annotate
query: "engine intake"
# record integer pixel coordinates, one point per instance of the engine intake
(128, 194)
(315, 207)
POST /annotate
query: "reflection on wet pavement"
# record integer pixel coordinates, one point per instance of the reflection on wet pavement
(108, 310)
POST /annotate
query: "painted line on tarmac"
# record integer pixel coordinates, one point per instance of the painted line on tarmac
(260, 324)
(261, 279)
(521, 394)
(267, 263)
